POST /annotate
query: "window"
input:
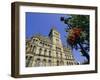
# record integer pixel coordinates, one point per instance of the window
(28, 61)
(67, 63)
(45, 51)
(61, 62)
(49, 62)
(49, 53)
(26, 57)
(57, 54)
(61, 55)
(44, 62)
(65, 56)
(57, 40)
(31, 48)
(41, 44)
(37, 62)
(35, 40)
(34, 49)
(40, 50)
(57, 63)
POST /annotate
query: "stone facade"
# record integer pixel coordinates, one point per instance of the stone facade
(47, 51)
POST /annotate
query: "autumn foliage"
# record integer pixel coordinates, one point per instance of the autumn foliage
(74, 35)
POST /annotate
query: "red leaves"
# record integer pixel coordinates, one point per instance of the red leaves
(71, 39)
(76, 31)
(73, 35)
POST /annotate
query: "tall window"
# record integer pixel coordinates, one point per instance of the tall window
(40, 50)
(61, 62)
(44, 62)
(28, 61)
(67, 63)
(71, 63)
(57, 54)
(37, 62)
(31, 48)
(57, 63)
(45, 52)
(34, 49)
(49, 53)
(49, 62)
(65, 56)
(61, 55)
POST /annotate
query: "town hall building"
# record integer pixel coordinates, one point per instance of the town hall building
(48, 51)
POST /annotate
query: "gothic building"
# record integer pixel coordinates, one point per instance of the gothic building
(47, 51)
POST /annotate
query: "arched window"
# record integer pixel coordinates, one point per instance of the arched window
(26, 57)
(57, 63)
(49, 53)
(40, 50)
(37, 62)
(49, 63)
(45, 52)
(44, 62)
(31, 48)
(41, 44)
(57, 54)
(61, 62)
(67, 63)
(34, 49)
(61, 55)
(72, 63)
(35, 40)
(28, 61)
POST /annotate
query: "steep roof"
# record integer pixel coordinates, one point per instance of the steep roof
(43, 38)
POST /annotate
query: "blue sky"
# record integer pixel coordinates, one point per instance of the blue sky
(43, 22)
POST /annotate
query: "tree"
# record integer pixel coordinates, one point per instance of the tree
(78, 33)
